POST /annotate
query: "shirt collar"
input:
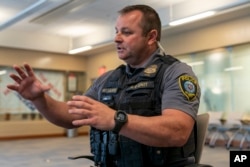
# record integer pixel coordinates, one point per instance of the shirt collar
(157, 53)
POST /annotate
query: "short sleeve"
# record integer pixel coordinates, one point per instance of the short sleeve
(181, 89)
(94, 90)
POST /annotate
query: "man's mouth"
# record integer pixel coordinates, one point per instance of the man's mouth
(120, 49)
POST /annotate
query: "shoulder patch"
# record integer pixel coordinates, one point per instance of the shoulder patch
(188, 86)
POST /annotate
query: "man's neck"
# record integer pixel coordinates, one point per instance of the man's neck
(145, 60)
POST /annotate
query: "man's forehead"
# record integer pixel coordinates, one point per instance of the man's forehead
(131, 15)
(128, 19)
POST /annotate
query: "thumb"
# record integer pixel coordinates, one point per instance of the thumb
(45, 88)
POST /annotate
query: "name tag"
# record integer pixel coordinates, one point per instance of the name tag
(109, 90)
(141, 85)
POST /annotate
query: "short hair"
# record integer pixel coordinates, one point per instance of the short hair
(150, 19)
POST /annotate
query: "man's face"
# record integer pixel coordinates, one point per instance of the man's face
(131, 44)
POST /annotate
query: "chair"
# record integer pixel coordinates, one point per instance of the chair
(230, 122)
(202, 121)
(202, 126)
(242, 133)
(213, 124)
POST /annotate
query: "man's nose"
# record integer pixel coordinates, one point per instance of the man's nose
(118, 38)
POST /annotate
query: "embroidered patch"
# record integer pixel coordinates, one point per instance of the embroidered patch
(151, 70)
(188, 86)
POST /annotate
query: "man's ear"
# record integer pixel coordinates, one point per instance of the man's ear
(152, 36)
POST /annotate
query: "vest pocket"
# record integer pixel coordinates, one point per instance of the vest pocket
(157, 155)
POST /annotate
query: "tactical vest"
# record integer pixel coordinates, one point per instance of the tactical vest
(139, 94)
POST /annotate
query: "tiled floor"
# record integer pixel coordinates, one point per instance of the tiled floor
(53, 152)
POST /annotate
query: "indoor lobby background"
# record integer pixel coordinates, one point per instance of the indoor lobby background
(219, 53)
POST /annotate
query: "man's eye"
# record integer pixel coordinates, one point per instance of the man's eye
(127, 32)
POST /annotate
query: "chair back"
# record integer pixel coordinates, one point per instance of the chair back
(202, 125)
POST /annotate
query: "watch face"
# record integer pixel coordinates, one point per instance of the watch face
(120, 119)
(121, 116)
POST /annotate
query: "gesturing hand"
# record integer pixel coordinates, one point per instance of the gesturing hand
(27, 85)
(92, 112)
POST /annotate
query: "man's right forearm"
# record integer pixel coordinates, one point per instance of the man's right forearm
(54, 111)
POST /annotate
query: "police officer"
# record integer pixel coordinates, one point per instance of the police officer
(142, 113)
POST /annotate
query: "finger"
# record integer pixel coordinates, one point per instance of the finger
(79, 104)
(73, 104)
(81, 122)
(46, 88)
(13, 87)
(84, 99)
(80, 112)
(29, 70)
(77, 98)
(89, 100)
(20, 72)
(16, 78)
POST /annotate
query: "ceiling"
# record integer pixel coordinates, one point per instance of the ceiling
(61, 25)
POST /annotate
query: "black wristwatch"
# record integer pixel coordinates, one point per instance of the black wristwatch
(121, 119)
